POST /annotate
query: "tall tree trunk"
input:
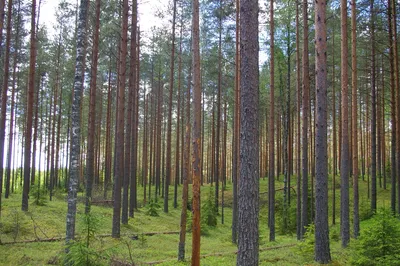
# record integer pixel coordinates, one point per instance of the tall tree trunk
(322, 251)
(29, 111)
(178, 118)
(298, 154)
(10, 152)
(271, 174)
(76, 122)
(182, 233)
(196, 141)
(345, 160)
(4, 97)
(235, 145)
(169, 129)
(92, 112)
(249, 128)
(334, 153)
(397, 89)
(356, 219)
(119, 153)
(373, 103)
(392, 112)
(305, 114)
(108, 153)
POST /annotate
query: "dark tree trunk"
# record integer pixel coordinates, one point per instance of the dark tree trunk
(356, 220)
(182, 233)
(169, 129)
(119, 152)
(305, 114)
(29, 110)
(373, 118)
(322, 251)
(271, 174)
(4, 97)
(249, 128)
(298, 154)
(345, 159)
(92, 112)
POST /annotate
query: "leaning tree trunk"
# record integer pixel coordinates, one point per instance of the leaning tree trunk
(322, 251)
(76, 122)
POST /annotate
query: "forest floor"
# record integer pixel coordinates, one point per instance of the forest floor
(148, 240)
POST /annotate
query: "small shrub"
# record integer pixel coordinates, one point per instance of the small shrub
(365, 210)
(334, 233)
(39, 195)
(379, 241)
(306, 246)
(153, 207)
(209, 212)
(80, 252)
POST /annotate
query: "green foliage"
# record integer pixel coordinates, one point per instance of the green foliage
(209, 211)
(379, 241)
(305, 248)
(153, 207)
(39, 195)
(365, 210)
(80, 251)
(334, 233)
(285, 219)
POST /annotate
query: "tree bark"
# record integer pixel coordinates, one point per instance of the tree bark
(356, 219)
(322, 251)
(92, 111)
(305, 114)
(271, 174)
(345, 159)
(249, 128)
(29, 110)
(119, 152)
(196, 141)
(76, 122)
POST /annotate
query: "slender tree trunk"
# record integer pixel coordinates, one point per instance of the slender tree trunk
(305, 114)
(4, 96)
(235, 148)
(397, 89)
(29, 111)
(373, 103)
(108, 153)
(345, 160)
(178, 119)
(119, 153)
(196, 141)
(169, 129)
(334, 132)
(92, 112)
(10, 152)
(392, 112)
(271, 175)
(356, 220)
(249, 128)
(76, 122)
(186, 173)
(322, 251)
(298, 154)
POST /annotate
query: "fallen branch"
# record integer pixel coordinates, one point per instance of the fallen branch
(54, 239)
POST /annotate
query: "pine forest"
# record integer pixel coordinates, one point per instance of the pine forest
(199, 132)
